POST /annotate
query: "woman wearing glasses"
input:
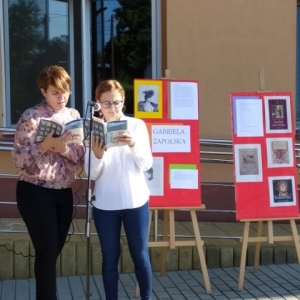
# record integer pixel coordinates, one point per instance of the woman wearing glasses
(121, 192)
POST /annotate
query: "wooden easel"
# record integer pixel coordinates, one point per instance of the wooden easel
(169, 226)
(259, 239)
(171, 243)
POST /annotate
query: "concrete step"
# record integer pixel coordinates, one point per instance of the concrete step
(222, 248)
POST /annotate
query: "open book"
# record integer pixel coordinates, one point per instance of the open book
(106, 131)
(80, 129)
(75, 126)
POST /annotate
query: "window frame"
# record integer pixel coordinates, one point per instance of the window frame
(5, 65)
(297, 77)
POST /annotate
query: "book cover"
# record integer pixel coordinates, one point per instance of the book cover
(278, 114)
(280, 152)
(248, 161)
(75, 126)
(282, 191)
(98, 129)
(105, 131)
(114, 129)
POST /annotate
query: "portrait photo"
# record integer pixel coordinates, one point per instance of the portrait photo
(282, 191)
(155, 177)
(147, 99)
(278, 114)
(248, 163)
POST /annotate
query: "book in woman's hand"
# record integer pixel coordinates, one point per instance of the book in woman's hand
(106, 131)
(74, 126)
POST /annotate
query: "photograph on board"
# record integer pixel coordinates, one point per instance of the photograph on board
(280, 152)
(147, 99)
(248, 163)
(282, 191)
(155, 177)
(278, 114)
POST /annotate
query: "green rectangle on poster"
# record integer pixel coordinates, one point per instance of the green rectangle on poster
(181, 167)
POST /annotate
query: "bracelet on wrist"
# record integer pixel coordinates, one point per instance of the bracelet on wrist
(66, 152)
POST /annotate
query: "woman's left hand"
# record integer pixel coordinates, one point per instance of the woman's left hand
(127, 138)
(98, 146)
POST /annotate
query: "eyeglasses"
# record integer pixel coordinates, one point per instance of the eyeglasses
(108, 104)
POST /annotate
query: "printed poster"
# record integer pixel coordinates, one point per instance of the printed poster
(264, 155)
(248, 164)
(282, 191)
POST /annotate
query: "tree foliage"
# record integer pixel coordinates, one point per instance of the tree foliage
(132, 41)
(25, 39)
(29, 51)
(132, 44)
(24, 25)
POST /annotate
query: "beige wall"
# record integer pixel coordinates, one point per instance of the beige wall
(223, 44)
(7, 166)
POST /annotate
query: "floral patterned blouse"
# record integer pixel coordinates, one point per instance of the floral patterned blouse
(50, 170)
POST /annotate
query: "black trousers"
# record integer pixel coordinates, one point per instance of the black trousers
(47, 214)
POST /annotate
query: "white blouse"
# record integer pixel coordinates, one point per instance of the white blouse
(119, 176)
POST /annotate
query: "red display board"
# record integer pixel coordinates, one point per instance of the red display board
(264, 155)
(170, 110)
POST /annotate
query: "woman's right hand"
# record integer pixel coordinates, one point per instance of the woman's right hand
(98, 147)
(58, 144)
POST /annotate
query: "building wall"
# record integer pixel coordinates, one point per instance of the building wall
(224, 44)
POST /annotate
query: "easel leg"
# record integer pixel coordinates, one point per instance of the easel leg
(270, 232)
(150, 220)
(296, 238)
(163, 268)
(200, 251)
(257, 246)
(155, 224)
(243, 255)
(137, 291)
(172, 228)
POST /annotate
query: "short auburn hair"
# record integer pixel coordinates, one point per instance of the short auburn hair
(56, 76)
(107, 86)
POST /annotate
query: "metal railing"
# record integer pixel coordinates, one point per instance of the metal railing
(212, 158)
(6, 144)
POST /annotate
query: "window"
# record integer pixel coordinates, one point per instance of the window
(37, 36)
(122, 43)
(37, 33)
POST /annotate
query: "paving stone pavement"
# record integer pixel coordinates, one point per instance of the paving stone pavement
(270, 282)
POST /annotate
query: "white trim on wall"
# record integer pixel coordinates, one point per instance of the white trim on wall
(4, 40)
(86, 53)
(71, 50)
(2, 62)
(156, 38)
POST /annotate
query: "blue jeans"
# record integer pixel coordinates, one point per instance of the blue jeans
(108, 224)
